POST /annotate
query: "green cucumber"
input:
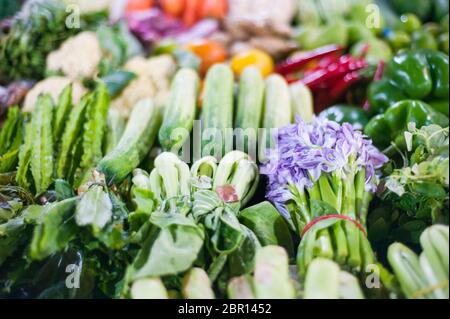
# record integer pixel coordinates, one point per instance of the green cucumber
(277, 110)
(302, 101)
(277, 106)
(42, 148)
(217, 110)
(250, 99)
(135, 144)
(180, 111)
(249, 108)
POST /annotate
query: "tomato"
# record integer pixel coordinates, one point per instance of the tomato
(191, 12)
(214, 9)
(138, 5)
(254, 57)
(173, 8)
(209, 51)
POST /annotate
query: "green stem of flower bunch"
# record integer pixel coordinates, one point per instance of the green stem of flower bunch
(323, 243)
(352, 232)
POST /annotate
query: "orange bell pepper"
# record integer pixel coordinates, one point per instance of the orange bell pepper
(209, 51)
(258, 58)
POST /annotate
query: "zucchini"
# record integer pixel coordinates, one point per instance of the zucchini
(217, 110)
(72, 132)
(42, 148)
(135, 144)
(62, 112)
(180, 111)
(277, 110)
(302, 101)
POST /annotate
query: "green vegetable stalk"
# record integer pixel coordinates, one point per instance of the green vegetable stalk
(424, 276)
(325, 280)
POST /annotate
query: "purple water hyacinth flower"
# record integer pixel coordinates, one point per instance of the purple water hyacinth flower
(306, 150)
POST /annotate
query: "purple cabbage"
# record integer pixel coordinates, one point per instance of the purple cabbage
(153, 25)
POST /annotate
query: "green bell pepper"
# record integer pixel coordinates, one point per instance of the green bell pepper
(409, 23)
(347, 114)
(440, 9)
(383, 94)
(438, 64)
(440, 106)
(390, 126)
(413, 74)
(410, 72)
(421, 8)
(423, 40)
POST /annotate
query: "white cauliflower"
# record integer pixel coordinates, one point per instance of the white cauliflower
(78, 57)
(54, 86)
(152, 81)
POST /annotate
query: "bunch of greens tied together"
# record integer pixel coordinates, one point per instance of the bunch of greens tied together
(319, 169)
(189, 217)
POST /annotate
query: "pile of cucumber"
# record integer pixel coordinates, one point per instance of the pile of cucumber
(256, 103)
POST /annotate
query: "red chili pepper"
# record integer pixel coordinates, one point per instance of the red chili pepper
(343, 85)
(334, 71)
(378, 75)
(379, 71)
(293, 64)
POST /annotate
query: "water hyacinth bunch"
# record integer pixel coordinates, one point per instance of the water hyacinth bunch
(323, 168)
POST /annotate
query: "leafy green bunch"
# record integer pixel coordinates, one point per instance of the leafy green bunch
(37, 30)
(415, 195)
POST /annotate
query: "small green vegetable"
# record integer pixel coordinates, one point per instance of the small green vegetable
(217, 110)
(180, 110)
(136, 142)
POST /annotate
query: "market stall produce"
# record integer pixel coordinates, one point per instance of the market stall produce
(200, 149)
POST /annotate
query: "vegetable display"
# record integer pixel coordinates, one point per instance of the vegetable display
(224, 149)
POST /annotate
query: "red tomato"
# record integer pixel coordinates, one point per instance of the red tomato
(173, 8)
(138, 5)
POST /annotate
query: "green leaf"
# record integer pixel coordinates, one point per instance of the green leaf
(94, 208)
(171, 247)
(55, 229)
(268, 225)
(242, 260)
(116, 81)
